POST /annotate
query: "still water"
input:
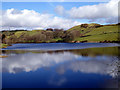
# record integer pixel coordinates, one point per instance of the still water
(61, 65)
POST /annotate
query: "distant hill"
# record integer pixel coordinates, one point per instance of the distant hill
(82, 33)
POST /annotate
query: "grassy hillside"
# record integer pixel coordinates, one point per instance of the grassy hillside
(81, 33)
(108, 33)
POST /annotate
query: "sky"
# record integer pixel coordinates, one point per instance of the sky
(42, 15)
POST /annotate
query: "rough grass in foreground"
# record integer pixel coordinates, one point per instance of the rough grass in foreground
(3, 45)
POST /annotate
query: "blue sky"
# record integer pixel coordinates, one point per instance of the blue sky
(44, 7)
(67, 13)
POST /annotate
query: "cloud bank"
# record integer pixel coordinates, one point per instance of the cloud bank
(32, 19)
(102, 13)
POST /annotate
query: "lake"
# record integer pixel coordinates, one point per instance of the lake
(61, 65)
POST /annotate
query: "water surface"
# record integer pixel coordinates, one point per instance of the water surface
(61, 65)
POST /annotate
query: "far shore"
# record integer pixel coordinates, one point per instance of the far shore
(84, 33)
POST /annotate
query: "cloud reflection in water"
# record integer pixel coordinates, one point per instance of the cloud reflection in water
(67, 61)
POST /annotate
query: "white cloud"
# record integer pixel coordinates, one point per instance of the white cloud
(32, 19)
(107, 12)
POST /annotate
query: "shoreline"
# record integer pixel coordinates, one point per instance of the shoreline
(62, 49)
